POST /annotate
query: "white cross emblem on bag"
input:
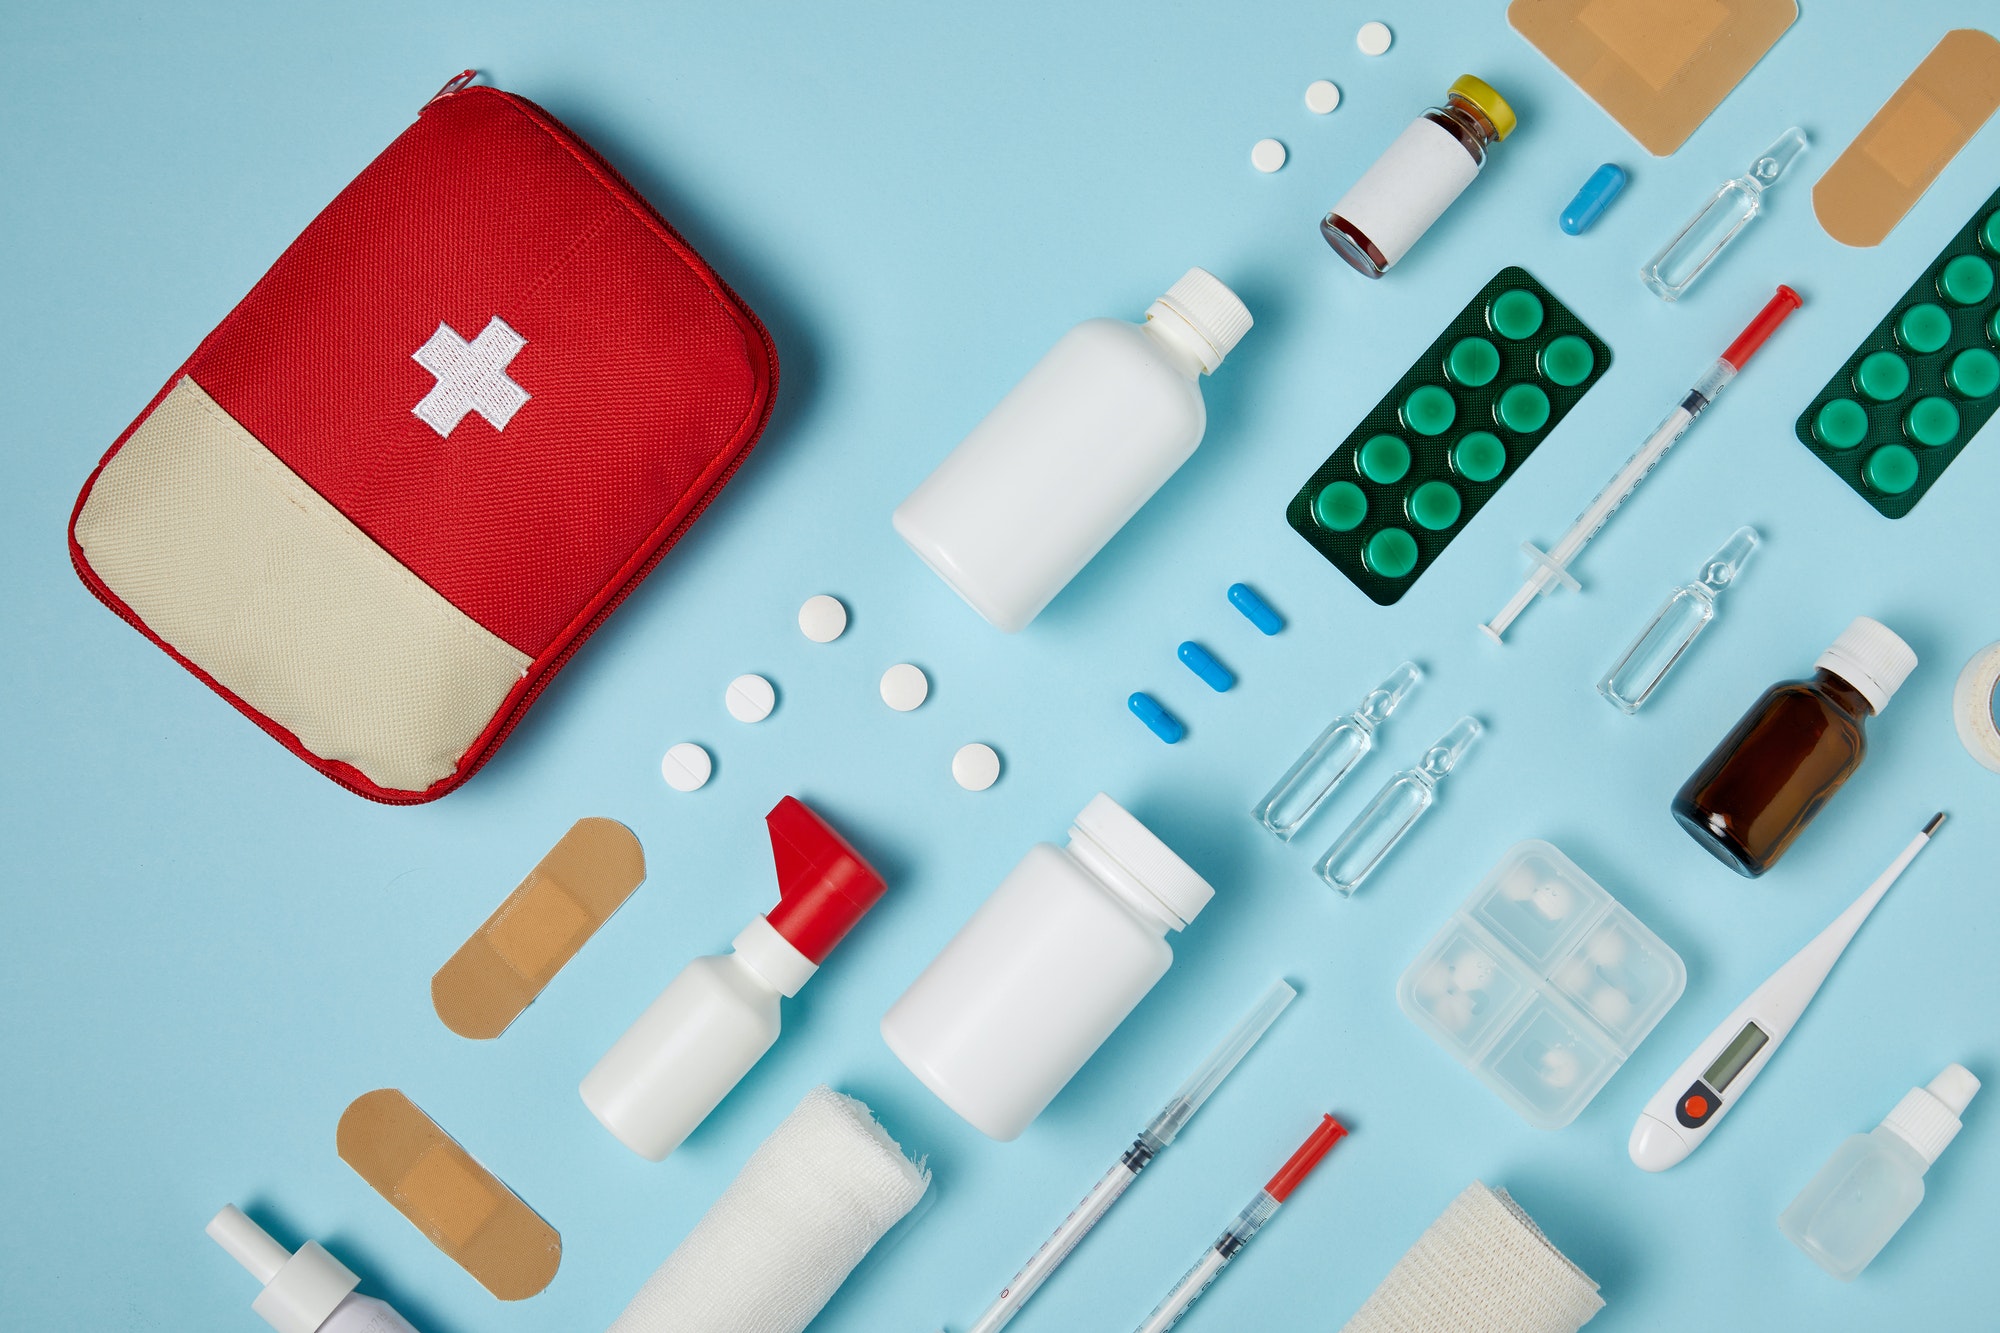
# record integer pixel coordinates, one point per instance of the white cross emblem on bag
(471, 376)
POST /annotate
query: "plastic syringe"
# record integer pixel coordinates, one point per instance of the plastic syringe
(1246, 1225)
(1160, 1131)
(1551, 568)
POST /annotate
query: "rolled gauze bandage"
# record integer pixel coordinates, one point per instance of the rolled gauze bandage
(810, 1202)
(1483, 1267)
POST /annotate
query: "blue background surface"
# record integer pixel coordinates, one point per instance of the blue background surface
(208, 949)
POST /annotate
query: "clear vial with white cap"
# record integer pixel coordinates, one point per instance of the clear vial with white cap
(1795, 748)
(1071, 453)
(1045, 970)
(1874, 1181)
(309, 1291)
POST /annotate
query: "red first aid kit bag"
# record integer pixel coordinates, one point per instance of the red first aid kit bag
(456, 423)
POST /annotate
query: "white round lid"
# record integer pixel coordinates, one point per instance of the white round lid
(1148, 860)
(1206, 305)
(1871, 657)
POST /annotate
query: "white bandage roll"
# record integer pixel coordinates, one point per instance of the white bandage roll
(1483, 1267)
(810, 1202)
(1975, 710)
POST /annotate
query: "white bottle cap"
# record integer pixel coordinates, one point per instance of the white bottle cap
(1927, 1118)
(1138, 851)
(1869, 656)
(300, 1290)
(1201, 301)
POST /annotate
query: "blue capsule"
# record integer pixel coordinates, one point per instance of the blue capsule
(1202, 662)
(1157, 719)
(1595, 196)
(1255, 609)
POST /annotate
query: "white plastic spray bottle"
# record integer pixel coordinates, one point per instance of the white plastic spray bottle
(718, 1017)
(305, 1292)
(1874, 1181)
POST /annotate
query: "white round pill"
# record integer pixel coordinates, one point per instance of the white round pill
(686, 767)
(1612, 1005)
(1322, 96)
(975, 767)
(1608, 947)
(1552, 900)
(822, 619)
(1472, 971)
(904, 687)
(1574, 975)
(750, 698)
(1374, 38)
(1455, 1012)
(1267, 155)
(1560, 1066)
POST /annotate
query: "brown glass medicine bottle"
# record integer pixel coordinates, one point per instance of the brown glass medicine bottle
(1784, 760)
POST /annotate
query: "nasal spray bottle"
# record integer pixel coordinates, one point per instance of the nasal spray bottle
(309, 1291)
(719, 1016)
(1874, 1181)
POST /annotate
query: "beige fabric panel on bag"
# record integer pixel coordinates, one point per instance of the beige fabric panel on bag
(251, 575)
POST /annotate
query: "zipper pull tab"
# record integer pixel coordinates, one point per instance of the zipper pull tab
(456, 83)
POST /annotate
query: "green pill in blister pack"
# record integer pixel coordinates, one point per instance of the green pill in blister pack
(1919, 387)
(1457, 425)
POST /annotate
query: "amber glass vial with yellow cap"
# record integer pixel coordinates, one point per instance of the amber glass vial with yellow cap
(1412, 184)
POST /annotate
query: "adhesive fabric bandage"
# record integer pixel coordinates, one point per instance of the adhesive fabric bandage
(770, 1253)
(1915, 135)
(572, 891)
(1482, 1267)
(477, 1222)
(1657, 67)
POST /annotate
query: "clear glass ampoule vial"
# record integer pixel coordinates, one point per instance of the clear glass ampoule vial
(1674, 627)
(1727, 212)
(1329, 759)
(1394, 811)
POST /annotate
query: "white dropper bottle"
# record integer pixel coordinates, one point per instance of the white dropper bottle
(1874, 1181)
(307, 1292)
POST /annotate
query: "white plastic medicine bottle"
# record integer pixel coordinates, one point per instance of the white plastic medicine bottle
(1072, 452)
(1045, 970)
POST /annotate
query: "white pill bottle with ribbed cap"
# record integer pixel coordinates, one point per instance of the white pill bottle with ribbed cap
(1045, 970)
(1072, 452)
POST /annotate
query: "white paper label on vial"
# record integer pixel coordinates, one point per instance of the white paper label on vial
(1408, 188)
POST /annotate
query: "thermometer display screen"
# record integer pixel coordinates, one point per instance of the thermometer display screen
(1738, 1053)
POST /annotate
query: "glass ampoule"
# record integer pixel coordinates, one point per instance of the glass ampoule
(1345, 742)
(1394, 811)
(1727, 212)
(1683, 616)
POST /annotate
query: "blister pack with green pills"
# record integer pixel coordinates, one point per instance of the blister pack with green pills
(1919, 387)
(1458, 424)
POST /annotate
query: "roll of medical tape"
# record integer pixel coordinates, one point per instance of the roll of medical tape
(1975, 708)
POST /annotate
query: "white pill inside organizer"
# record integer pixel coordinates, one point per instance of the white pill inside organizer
(1607, 948)
(1552, 900)
(975, 767)
(1560, 1066)
(1473, 971)
(1612, 1006)
(1267, 155)
(686, 767)
(1322, 96)
(822, 619)
(750, 698)
(1374, 38)
(904, 687)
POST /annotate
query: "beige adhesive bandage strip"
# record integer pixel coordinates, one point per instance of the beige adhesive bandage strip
(1911, 139)
(479, 1223)
(1657, 67)
(572, 891)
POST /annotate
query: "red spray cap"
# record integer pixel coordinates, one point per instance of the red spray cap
(824, 885)
(1775, 312)
(1300, 1164)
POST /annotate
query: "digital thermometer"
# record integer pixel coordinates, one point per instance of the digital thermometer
(1695, 1098)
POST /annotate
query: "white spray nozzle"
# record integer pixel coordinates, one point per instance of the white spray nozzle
(300, 1289)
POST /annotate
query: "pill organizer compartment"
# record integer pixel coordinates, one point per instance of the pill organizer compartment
(1542, 984)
